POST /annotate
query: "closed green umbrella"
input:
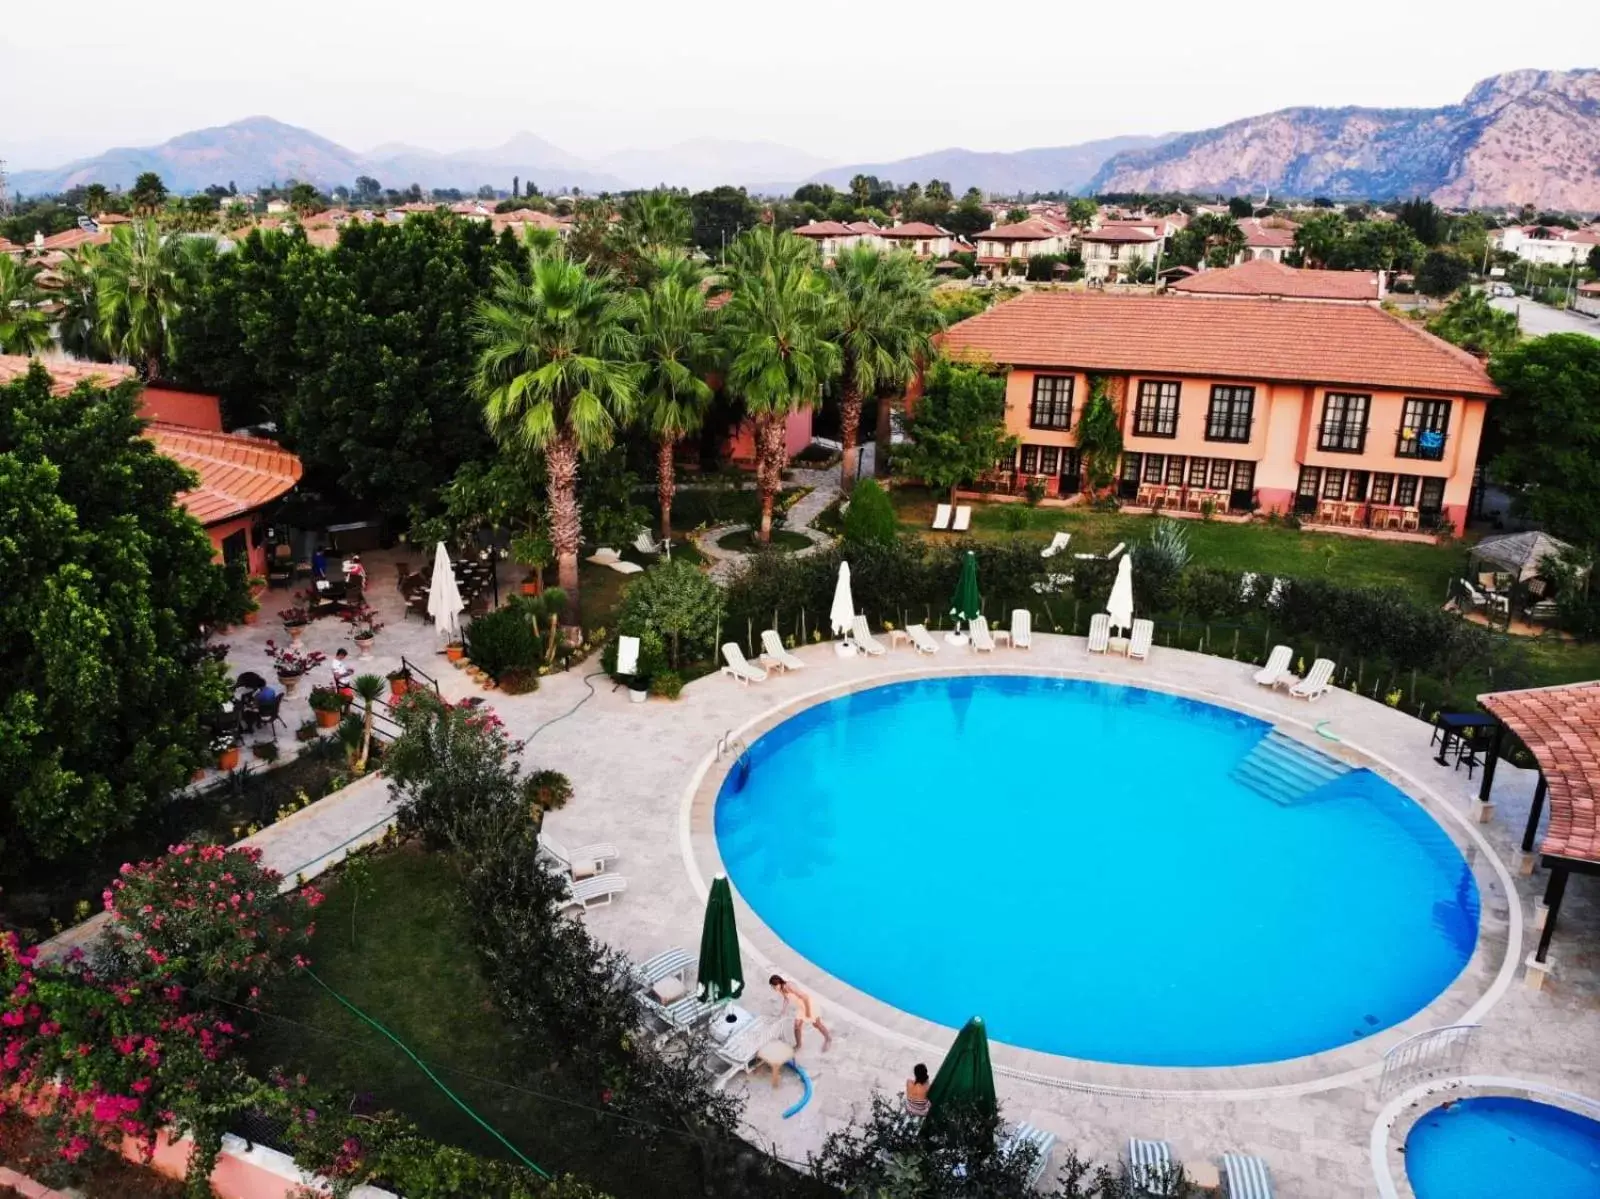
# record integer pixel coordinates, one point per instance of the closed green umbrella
(965, 1076)
(964, 603)
(721, 974)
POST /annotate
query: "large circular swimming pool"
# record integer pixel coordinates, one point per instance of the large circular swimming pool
(1493, 1147)
(1104, 872)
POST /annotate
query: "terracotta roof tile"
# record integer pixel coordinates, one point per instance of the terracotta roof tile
(237, 474)
(65, 372)
(1119, 234)
(913, 229)
(823, 229)
(1263, 277)
(1242, 339)
(1561, 728)
(1029, 230)
(71, 239)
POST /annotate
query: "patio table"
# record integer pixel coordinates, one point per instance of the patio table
(1459, 725)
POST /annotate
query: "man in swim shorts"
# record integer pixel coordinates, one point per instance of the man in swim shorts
(807, 1010)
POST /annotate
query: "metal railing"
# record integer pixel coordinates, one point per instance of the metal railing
(1426, 1055)
(417, 672)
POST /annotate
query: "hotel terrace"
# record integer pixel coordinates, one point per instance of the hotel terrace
(1340, 413)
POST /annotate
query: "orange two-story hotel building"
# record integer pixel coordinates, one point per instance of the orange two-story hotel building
(1342, 413)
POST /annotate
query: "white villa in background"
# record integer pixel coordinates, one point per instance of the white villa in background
(1268, 239)
(1545, 245)
(997, 248)
(922, 239)
(1112, 250)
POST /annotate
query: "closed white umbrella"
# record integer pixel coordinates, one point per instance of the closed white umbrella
(444, 597)
(1120, 606)
(843, 613)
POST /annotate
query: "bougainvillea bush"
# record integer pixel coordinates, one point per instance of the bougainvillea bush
(207, 916)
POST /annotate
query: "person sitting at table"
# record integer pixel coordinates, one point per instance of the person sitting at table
(354, 572)
(344, 675)
(319, 562)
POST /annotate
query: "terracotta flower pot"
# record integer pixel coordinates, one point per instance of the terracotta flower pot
(252, 616)
(327, 720)
(228, 759)
(364, 646)
(199, 775)
(289, 681)
(296, 631)
(529, 587)
(397, 687)
(455, 652)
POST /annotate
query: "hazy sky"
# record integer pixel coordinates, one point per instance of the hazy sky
(844, 81)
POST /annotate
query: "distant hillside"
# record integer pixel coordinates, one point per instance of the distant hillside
(1526, 137)
(1050, 168)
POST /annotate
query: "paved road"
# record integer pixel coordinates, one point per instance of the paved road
(1538, 319)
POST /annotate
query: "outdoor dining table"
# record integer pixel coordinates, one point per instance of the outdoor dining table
(1461, 726)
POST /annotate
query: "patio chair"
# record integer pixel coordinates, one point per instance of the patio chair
(742, 1052)
(921, 641)
(592, 892)
(664, 977)
(864, 639)
(681, 1015)
(583, 862)
(773, 654)
(1316, 681)
(1021, 629)
(1099, 633)
(267, 714)
(941, 518)
(739, 669)
(1144, 634)
(1150, 1166)
(1277, 668)
(1057, 543)
(1410, 520)
(1043, 1142)
(646, 544)
(981, 639)
(963, 519)
(1246, 1177)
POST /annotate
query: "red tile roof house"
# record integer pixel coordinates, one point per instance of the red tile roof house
(1270, 239)
(831, 237)
(236, 476)
(922, 239)
(1004, 244)
(1340, 412)
(1262, 278)
(1110, 251)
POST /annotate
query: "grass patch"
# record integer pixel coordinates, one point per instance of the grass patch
(743, 541)
(706, 506)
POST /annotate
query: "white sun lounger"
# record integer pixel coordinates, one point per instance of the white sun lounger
(1099, 633)
(1246, 1177)
(647, 544)
(606, 556)
(1144, 633)
(1043, 1142)
(1057, 543)
(738, 668)
(740, 1052)
(941, 518)
(681, 1015)
(1021, 629)
(1316, 680)
(583, 862)
(669, 963)
(864, 639)
(921, 640)
(1277, 668)
(1115, 550)
(773, 654)
(982, 641)
(592, 892)
(1150, 1166)
(963, 518)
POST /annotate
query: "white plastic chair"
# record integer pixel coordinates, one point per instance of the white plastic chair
(1057, 543)
(775, 655)
(863, 637)
(1277, 667)
(963, 519)
(1144, 633)
(1021, 629)
(1099, 633)
(738, 668)
(982, 641)
(941, 517)
(1316, 681)
(593, 892)
(921, 640)
(583, 862)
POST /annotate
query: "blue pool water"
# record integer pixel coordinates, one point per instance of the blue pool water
(1493, 1148)
(1079, 864)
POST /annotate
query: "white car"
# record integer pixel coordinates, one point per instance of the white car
(1502, 289)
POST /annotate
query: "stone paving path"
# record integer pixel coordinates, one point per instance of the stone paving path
(824, 491)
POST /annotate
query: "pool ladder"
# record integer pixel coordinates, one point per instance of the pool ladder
(730, 746)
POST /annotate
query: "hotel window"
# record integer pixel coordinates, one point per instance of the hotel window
(1049, 459)
(1156, 413)
(1305, 495)
(1067, 483)
(1030, 460)
(1382, 488)
(1228, 418)
(1052, 402)
(1175, 470)
(1344, 423)
(1424, 425)
(1333, 484)
(1009, 462)
(1405, 490)
(1197, 471)
(1244, 477)
(1431, 501)
(1155, 467)
(1221, 474)
(1128, 486)
(1355, 489)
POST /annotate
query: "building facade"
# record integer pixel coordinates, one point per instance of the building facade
(1116, 253)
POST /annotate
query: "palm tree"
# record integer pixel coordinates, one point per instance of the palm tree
(556, 374)
(674, 345)
(369, 689)
(139, 281)
(78, 321)
(883, 316)
(24, 325)
(657, 220)
(776, 326)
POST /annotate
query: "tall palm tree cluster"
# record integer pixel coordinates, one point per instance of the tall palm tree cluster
(569, 356)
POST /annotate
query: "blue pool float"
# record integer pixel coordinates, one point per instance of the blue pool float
(805, 1081)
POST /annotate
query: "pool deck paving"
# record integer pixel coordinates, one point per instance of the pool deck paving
(639, 769)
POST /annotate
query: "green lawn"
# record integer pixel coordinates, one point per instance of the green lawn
(695, 507)
(1424, 570)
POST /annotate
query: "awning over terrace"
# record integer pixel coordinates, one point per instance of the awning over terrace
(1561, 728)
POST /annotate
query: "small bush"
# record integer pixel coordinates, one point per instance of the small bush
(1014, 519)
(550, 789)
(871, 519)
(519, 680)
(680, 606)
(326, 699)
(668, 684)
(1034, 491)
(500, 640)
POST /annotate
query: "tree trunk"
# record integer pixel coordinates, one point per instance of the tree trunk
(769, 468)
(566, 526)
(849, 433)
(666, 484)
(880, 459)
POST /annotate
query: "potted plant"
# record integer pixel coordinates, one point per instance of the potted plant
(256, 583)
(364, 625)
(327, 705)
(399, 682)
(534, 551)
(307, 731)
(266, 751)
(295, 618)
(252, 613)
(291, 664)
(226, 748)
(455, 651)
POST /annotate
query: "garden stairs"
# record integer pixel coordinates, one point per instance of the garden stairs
(1287, 772)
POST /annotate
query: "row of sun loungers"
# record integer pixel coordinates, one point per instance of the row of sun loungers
(1141, 636)
(1276, 673)
(588, 883)
(1152, 1172)
(958, 521)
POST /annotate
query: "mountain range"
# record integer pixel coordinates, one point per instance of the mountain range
(1522, 137)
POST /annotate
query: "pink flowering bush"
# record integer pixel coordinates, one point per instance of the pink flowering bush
(208, 916)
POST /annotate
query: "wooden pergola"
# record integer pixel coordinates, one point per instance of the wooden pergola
(1561, 728)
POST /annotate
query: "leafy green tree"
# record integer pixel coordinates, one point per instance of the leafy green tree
(1594, 261)
(1220, 239)
(882, 322)
(675, 350)
(870, 518)
(1240, 207)
(657, 220)
(776, 327)
(1082, 210)
(108, 584)
(1441, 273)
(720, 215)
(969, 216)
(139, 283)
(24, 324)
(956, 429)
(1377, 246)
(1548, 423)
(1099, 436)
(1016, 215)
(1318, 237)
(95, 197)
(148, 193)
(556, 374)
(679, 603)
(1475, 325)
(303, 198)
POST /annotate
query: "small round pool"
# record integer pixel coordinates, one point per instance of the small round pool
(1103, 872)
(1491, 1147)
